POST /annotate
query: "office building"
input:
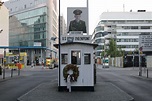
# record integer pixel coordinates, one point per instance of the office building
(32, 25)
(124, 27)
(63, 29)
(4, 31)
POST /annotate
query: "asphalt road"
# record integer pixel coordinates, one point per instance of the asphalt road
(127, 79)
(11, 89)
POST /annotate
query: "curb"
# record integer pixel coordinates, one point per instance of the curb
(9, 78)
(142, 77)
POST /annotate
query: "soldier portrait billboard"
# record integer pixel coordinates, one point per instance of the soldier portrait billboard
(77, 19)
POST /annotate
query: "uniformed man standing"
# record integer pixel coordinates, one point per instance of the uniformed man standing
(77, 24)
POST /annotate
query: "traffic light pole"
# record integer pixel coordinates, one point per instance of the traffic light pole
(19, 62)
(4, 63)
(140, 67)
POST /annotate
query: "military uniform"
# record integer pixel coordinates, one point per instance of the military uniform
(77, 25)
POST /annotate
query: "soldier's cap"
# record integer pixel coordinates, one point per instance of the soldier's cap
(77, 12)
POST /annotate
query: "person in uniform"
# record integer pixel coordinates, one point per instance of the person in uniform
(77, 24)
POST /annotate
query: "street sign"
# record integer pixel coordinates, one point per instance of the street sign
(145, 42)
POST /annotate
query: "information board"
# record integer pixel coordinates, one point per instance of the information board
(145, 41)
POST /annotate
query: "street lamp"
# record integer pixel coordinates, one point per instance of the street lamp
(104, 54)
(140, 67)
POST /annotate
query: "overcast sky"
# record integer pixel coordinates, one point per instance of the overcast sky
(97, 7)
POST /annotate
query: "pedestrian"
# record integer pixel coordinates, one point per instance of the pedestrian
(69, 83)
(42, 64)
(32, 64)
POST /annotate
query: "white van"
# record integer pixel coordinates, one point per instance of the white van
(105, 63)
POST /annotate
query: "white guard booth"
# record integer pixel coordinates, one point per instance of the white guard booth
(78, 50)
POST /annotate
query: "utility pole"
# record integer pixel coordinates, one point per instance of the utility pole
(140, 67)
(133, 58)
(19, 64)
(4, 63)
(104, 54)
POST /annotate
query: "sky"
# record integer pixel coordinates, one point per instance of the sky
(97, 7)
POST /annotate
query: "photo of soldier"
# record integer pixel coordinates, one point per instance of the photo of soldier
(77, 24)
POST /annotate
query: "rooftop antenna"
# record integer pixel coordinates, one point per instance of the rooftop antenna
(123, 7)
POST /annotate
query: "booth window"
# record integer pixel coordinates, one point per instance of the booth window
(64, 58)
(87, 58)
(76, 57)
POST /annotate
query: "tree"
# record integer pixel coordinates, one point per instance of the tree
(113, 51)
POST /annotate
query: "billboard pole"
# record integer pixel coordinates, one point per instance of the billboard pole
(59, 35)
(88, 14)
(139, 64)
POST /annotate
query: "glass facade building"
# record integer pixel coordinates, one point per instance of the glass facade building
(32, 24)
(28, 27)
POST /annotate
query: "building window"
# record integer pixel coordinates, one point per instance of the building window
(99, 28)
(64, 58)
(134, 27)
(24, 6)
(15, 8)
(87, 58)
(76, 57)
(145, 27)
(124, 34)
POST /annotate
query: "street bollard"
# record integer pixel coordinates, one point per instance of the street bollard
(0, 70)
(3, 73)
(12, 72)
(147, 72)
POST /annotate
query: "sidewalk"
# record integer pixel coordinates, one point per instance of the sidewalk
(8, 74)
(104, 91)
(23, 71)
(146, 73)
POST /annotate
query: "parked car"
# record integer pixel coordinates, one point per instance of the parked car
(106, 63)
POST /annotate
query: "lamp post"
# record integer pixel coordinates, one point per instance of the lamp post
(4, 63)
(133, 58)
(140, 67)
(104, 54)
(19, 62)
